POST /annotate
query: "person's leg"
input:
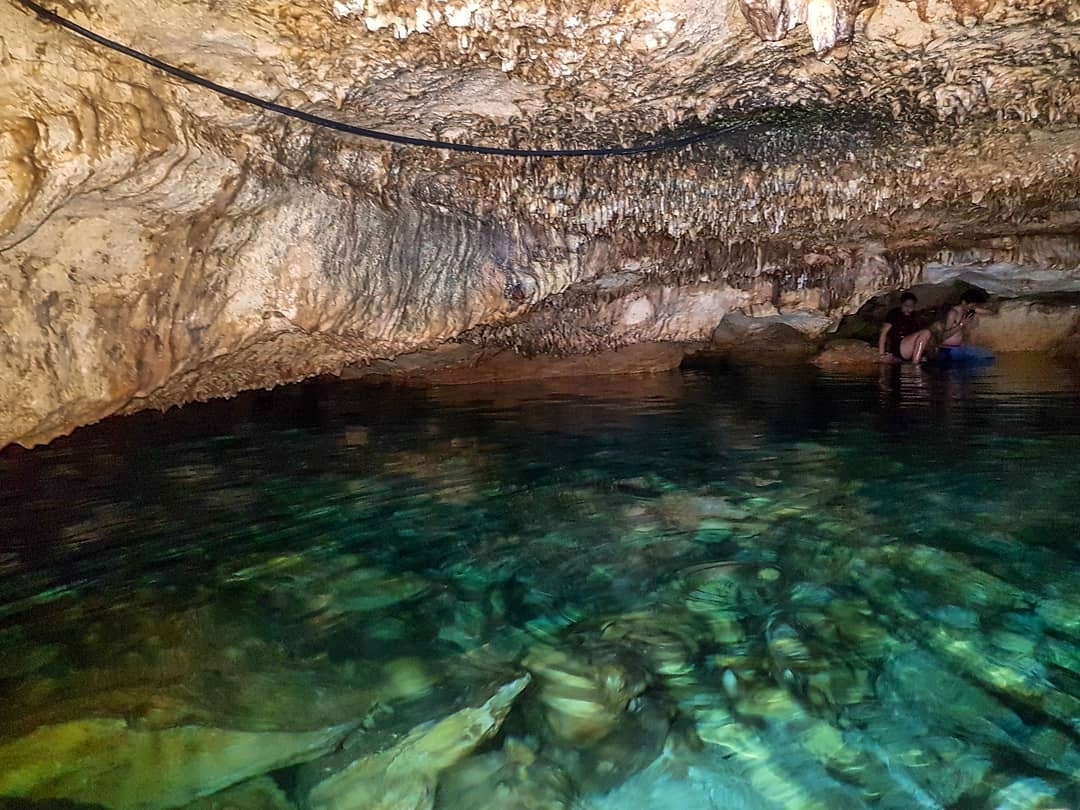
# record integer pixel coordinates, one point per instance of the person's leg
(914, 346)
(922, 342)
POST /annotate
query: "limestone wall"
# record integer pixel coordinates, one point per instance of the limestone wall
(160, 244)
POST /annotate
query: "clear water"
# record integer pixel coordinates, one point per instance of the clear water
(799, 590)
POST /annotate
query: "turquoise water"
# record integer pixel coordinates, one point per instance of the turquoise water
(731, 588)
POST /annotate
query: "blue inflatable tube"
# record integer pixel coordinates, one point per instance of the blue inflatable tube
(963, 356)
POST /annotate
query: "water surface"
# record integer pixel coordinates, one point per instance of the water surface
(795, 589)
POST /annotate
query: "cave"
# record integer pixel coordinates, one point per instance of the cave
(490, 404)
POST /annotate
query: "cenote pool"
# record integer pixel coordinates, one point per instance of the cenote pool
(741, 588)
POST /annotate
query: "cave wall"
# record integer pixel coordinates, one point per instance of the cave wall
(160, 244)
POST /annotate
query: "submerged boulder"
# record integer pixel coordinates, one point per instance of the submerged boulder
(111, 763)
(510, 779)
(585, 693)
(260, 793)
(404, 776)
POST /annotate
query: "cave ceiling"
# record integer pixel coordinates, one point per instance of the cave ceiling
(161, 243)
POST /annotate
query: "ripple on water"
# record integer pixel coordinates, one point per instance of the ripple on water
(734, 590)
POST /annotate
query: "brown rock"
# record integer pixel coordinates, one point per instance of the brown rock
(506, 366)
(1027, 326)
(1069, 348)
(847, 354)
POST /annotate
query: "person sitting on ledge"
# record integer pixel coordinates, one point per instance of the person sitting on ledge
(954, 336)
(902, 337)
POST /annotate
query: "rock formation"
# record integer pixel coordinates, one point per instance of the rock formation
(112, 764)
(161, 243)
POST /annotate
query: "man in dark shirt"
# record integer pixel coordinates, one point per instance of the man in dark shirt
(901, 337)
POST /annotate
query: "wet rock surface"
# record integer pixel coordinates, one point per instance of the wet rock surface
(476, 366)
(848, 354)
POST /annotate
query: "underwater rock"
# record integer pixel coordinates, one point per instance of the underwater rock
(718, 588)
(115, 764)
(794, 665)
(509, 779)
(585, 691)
(1026, 794)
(700, 780)
(968, 584)
(920, 683)
(29, 660)
(1019, 678)
(261, 793)
(211, 666)
(406, 678)
(634, 741)
(404, 776)
(328, 593)
(1061, 615)
(370, 589)
(669, 639)
(690, 511)
(608, 693)
(769, 760)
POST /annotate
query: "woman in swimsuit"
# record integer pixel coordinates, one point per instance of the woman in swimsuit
(954, 337)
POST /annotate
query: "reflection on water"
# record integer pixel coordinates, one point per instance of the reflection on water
(751, 589)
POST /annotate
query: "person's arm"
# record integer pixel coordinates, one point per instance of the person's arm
(953, 324)
(885, 327)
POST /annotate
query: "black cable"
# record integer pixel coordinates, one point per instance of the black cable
(329, 123)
